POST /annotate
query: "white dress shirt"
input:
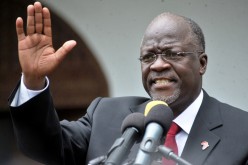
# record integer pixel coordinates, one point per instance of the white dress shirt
(185, 120)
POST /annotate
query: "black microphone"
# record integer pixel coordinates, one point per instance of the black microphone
(132, 128)
(169, 154)
(157, 123)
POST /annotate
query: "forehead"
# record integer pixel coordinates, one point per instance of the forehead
(167, 31)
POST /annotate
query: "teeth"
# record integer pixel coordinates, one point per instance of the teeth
(163, 81)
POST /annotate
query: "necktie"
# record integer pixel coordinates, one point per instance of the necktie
(170, 142)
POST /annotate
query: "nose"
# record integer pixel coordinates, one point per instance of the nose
(160, 64)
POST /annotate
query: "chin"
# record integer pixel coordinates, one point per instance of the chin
(166, 98)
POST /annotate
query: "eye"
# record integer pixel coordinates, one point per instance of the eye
(173, 55)
(181, 54)
(170, 55)
(149, 57)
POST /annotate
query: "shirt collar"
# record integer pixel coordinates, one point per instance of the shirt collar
(186, 118)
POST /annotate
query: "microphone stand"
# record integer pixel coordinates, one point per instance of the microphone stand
(168, 154)
(98, 161)
(102, 159)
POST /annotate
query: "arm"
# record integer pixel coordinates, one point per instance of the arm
(36, 125)
(42, 137)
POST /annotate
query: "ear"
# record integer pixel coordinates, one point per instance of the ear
(203, 58)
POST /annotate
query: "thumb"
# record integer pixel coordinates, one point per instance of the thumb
(65, 49)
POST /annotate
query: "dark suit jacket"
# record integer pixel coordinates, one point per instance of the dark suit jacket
(42, 137)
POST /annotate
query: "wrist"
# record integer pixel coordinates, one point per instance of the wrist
(34, 83)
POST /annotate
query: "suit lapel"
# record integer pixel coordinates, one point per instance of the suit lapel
(207, 119)
(193, 151)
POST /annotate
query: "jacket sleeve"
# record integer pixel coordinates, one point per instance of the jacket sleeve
(42, 137)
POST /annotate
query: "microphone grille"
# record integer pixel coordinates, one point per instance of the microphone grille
(135, 120)
(151, 104)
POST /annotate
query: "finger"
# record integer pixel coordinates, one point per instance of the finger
(64, 50)
(30, 20)
(47, 22)
(19, 29)
(38, 17)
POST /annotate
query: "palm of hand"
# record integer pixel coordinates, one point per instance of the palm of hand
(37, 55)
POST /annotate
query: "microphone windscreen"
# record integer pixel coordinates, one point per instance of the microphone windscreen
(135, 120)
(160, 114)
(152, 104)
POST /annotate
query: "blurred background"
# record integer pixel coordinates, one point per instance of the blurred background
(104, 63)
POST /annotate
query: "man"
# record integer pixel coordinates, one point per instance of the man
(173, 61)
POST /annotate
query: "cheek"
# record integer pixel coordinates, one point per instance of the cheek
(145, 72)
(190, 76)
(186, 73)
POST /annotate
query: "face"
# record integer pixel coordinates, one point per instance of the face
(177, 82)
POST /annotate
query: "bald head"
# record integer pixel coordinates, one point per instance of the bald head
(178, 25)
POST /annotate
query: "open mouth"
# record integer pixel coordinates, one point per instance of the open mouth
(162, 82)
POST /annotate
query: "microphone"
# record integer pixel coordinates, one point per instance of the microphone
(158, 120)
(132, 128)
(168, 153)
(151, 104)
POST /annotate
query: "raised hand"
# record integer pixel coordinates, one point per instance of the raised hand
(36, 53)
